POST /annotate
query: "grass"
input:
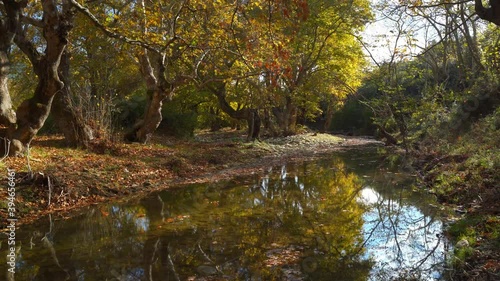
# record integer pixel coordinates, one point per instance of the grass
(465, 172)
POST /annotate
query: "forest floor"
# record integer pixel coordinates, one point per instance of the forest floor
(57, 180)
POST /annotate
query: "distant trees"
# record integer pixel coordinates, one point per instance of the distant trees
(268, 63)
(429, 91)
(256, 49)
(279, 60)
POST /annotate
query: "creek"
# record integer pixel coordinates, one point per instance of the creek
(349, 216)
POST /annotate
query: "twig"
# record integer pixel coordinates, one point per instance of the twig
(6, 148)
(30, 172)
(50, 188)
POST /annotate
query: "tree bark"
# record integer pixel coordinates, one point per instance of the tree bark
(7, 114)
(33, 112)
(256, 121)
(286, 117)
(291, 110)
(328, 118)
(8, 26)
(491, 14)
(158, 89)
(69, 118)
(143, 129)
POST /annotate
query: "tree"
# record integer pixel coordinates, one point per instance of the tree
(69, 118)
(308, 50)
(55, 24)
(163, 36)
(279, 58)
(10, 13)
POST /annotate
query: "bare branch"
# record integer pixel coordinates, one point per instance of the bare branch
(440, 4)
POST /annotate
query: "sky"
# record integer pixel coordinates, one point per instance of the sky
(380, 37)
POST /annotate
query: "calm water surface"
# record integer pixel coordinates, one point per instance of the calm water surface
(347, 217)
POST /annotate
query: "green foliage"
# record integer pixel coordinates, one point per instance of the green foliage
(464, 229)
(461, 254)
(177, 121)
(130, 109)
(353, 118)
(49, 127)
(210, 116)
(490, 43)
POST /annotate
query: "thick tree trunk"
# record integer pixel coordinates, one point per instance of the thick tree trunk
(143, 129)
(7, 114)
(254, 124)
(69, 118)
(8, 118)
(251, 115)
(292, 117)
(33, 112)
(216, 121)
(328, 118)
(158, 89)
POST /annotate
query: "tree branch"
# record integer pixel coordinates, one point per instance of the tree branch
(491, 14)
(136, 42)
(32, 21)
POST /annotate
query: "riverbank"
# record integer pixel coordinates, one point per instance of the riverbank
(463, 172)
(56, 180)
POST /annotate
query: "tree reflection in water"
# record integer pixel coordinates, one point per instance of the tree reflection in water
(325, 220)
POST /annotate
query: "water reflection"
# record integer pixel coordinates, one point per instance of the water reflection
(402, 239)
(326, 220)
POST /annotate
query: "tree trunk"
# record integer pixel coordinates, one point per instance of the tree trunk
(286, 117)
(254, 123)
(143, 129)
(251, 115)
(216, 121)
(7, 114)
(328, 118)
(69, 118)
(158, 89)
(33, 112)
(8, 118)
(292, 117)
